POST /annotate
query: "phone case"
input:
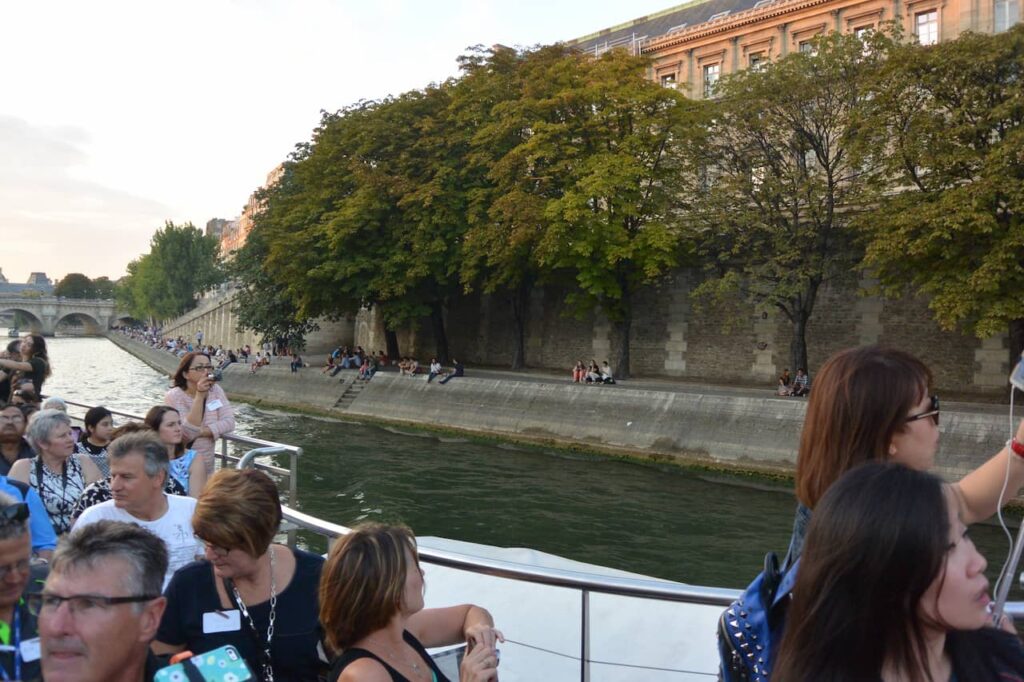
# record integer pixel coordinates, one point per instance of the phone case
(220, 665)
(1017, 376)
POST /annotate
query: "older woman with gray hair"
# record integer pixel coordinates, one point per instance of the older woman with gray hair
(56, 473)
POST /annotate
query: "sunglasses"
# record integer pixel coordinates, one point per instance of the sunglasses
(14, 513)
(932, 412)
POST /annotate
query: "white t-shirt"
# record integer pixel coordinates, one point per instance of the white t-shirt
(174, 528)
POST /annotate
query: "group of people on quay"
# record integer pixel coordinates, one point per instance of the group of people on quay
(592, 373)
(888, 585)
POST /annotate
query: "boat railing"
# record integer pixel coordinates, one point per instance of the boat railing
(586, 584)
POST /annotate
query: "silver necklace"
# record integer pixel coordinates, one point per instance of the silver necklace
(268, 670)
(393, 655)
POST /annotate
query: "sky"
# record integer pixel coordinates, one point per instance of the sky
(117, 116)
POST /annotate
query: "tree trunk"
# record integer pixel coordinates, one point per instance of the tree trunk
(798, 346)
(391, 343)
(622, 329)
(440, 338)
(1016, 342)
(520, 311)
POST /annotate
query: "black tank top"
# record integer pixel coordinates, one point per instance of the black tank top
(355, 654)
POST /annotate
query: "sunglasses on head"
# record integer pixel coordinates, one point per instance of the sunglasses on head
(933, 411)
(14, 513)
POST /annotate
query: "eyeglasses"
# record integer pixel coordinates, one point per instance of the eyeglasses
(215, 549)
(13, 418)
(21, 567)
(14, 513)
(201, 368)
(84, 605)
(933, 412)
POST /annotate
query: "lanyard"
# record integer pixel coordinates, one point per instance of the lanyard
(16, 648)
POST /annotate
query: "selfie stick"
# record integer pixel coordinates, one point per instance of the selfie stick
(1016, 381)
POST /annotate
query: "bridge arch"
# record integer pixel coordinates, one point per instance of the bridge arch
(35, 325)
(88, 322)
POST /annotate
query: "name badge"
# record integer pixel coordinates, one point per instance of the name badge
(221, 621)
(30, 650)
(215, 405)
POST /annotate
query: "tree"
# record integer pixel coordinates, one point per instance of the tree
(102, 287)
(786, 165)
(954, 115)
(599, 165)
(181, 264)
(263, 304)
(74, 285)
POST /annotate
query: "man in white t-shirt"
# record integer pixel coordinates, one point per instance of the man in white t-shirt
(138, 470)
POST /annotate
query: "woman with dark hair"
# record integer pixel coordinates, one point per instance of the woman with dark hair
(33, 366)
(96, 436)
(371, 609)
(268, 589)
(874, 403)
(205, 412)
(185, 467)
(892, 588)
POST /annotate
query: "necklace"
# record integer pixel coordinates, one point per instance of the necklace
(268, 670)
(393, 655)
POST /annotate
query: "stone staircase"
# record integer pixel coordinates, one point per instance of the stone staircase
(353, 390)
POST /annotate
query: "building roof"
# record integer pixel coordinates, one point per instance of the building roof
(18, 287)
(653, 26)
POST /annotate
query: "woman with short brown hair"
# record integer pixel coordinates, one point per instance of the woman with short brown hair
(371, 595)
(267, 592)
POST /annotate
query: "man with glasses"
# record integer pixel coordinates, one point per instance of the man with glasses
(13, 445)
(138, 471)
(101, 605)
(19, 639)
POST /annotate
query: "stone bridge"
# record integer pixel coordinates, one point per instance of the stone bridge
(44, 313)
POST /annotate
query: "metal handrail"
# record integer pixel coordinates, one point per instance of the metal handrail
(294, 452)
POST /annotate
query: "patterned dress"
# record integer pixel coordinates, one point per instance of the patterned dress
(59, 491)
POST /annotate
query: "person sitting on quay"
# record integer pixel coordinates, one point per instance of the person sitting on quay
(801, 383)
(459, 370)
(368, 369)
(784, 386)
(56, 473)
(435, 369)
(19, 577)
(606, 373)
(382, 359)
(328, 365)
(269, 588)
(101, 605)
(96, 436)
(403, 367)
(296, 363)
(593, 373)
(13, 445)
(579, 372)
(139, 469)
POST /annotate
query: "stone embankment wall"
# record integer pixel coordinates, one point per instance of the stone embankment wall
(671, 337)
(747, 430)
(215, 317)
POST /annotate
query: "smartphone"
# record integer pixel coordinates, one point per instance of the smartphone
(1017, 376)
(220, 665)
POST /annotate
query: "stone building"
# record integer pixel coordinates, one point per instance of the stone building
(237, 231)
(696, 44)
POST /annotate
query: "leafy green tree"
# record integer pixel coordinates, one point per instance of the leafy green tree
(102, 287)
(181, 264)
(74, 285)
(785, 166)
(494, 104)
(263, 304)
(611, 150)
(954, 115)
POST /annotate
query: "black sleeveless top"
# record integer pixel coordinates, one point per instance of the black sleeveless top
(355, 654)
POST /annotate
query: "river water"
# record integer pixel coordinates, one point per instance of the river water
(699, 528)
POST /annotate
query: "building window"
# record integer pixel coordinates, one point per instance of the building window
(711, 74)
(757, 61)
(926, 25)
(1007, 13)
(807, 47)
(668, 80)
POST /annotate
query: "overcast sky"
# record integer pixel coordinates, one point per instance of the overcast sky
(116, 116)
